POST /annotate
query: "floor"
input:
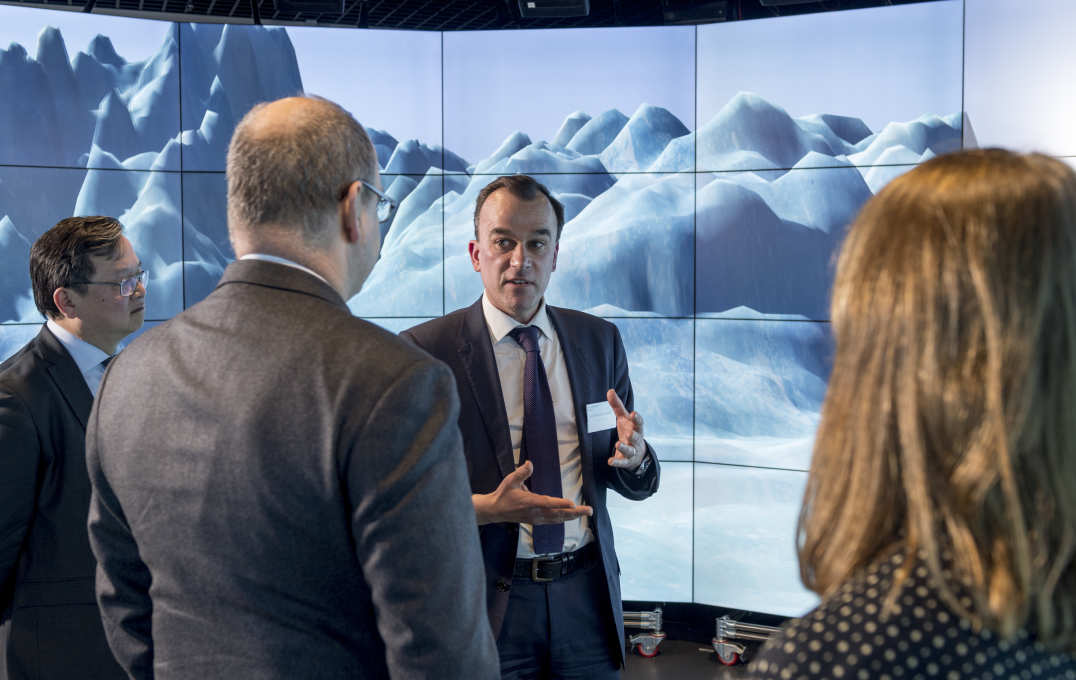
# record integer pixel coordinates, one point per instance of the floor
(679, 660)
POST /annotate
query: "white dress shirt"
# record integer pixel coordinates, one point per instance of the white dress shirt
(510, 362)
(264, 257)
(87, 357)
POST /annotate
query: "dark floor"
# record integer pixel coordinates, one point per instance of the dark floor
(679, 660)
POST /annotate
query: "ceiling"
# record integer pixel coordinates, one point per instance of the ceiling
(455, 15)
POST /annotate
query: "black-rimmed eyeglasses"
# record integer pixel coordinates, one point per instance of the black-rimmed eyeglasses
(385, 205)
(127, 285)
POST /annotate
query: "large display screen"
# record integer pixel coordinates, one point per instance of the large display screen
(1019, 63)
(708, 173)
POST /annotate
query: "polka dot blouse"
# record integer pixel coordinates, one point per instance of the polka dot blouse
(846, 638)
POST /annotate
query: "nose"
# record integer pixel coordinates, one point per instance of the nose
(140, 290)
(520, 258)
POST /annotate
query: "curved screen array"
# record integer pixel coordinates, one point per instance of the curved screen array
(708, 176)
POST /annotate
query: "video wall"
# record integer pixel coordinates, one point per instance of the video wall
(708, 173)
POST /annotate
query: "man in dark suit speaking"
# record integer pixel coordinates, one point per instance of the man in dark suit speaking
(547, 429)
(279, 487)
(89, 285)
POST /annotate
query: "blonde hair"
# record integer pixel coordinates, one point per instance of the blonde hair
(949, 425)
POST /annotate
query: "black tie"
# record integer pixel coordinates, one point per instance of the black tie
(540, 437)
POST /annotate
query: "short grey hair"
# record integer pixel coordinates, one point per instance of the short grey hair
(296, 174)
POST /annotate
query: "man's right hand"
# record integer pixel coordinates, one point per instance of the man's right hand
(511, 502)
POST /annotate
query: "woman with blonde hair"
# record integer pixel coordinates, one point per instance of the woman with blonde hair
(939, 520)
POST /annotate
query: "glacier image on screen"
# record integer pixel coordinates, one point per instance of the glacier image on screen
(645, 220)
(728, 376)
(94, 109)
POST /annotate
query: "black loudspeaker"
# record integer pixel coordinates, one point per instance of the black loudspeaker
(694, 11)
(307, 8)
(553, 9)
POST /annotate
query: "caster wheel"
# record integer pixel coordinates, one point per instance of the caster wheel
(642, 652)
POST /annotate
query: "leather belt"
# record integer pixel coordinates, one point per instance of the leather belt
(551, 567)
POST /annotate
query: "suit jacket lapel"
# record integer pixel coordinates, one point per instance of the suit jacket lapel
(581, 377)
(65, 375)
(476, 355)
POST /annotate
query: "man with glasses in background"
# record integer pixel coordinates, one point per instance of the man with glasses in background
(90, 286)
(279, 487)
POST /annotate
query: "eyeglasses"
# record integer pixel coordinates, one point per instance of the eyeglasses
(385, 205)
(127, 285)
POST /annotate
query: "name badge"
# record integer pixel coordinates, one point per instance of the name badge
(600, 417)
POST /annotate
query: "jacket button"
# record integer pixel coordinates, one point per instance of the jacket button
(503, 586)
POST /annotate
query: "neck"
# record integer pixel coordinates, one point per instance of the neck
(79, 330)
(329, 264)
(529, 317)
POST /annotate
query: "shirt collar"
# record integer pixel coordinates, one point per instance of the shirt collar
(265, 257)
(86, 356)
(500, 324)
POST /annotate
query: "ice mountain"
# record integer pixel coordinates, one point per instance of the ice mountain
(227, 70)
(642, 139)
(66, 106)
(670, 241)
(100, 111)
(650, 230)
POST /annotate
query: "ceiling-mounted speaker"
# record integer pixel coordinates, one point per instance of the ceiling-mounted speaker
(694, 12)
(553, 9)
(306, 8)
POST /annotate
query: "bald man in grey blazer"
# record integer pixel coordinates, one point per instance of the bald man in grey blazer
(279, 487)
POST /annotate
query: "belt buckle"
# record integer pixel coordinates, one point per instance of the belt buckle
(534, 571)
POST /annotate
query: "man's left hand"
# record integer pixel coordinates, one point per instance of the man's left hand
(630, 446)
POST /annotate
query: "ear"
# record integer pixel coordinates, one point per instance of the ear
(350, 214)
(472, 248)
(65, 303)
(556, 251)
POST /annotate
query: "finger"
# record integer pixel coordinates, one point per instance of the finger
(618, 406)
(620, 460)
(573, 513)
(561, 516)
(627, 450)
(636, 440)
(520, 474)
(637, 418)
(540, 503)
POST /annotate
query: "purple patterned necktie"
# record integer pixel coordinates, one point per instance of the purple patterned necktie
(540, 437)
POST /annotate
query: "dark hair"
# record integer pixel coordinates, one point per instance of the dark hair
(62, 255)
(947, 427)
(520, 186)
(293, 174)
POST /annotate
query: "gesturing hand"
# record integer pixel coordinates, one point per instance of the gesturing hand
(630, 447)
(512, 502)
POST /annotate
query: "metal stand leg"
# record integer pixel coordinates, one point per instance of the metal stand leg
(646, 643)
(729, 652)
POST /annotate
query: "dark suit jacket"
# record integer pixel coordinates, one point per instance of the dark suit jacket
(50, 625)
(280, 492)
(595, 358)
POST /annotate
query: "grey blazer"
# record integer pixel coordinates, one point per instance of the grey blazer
(279, 491)
(596, 361)
(49, 625)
